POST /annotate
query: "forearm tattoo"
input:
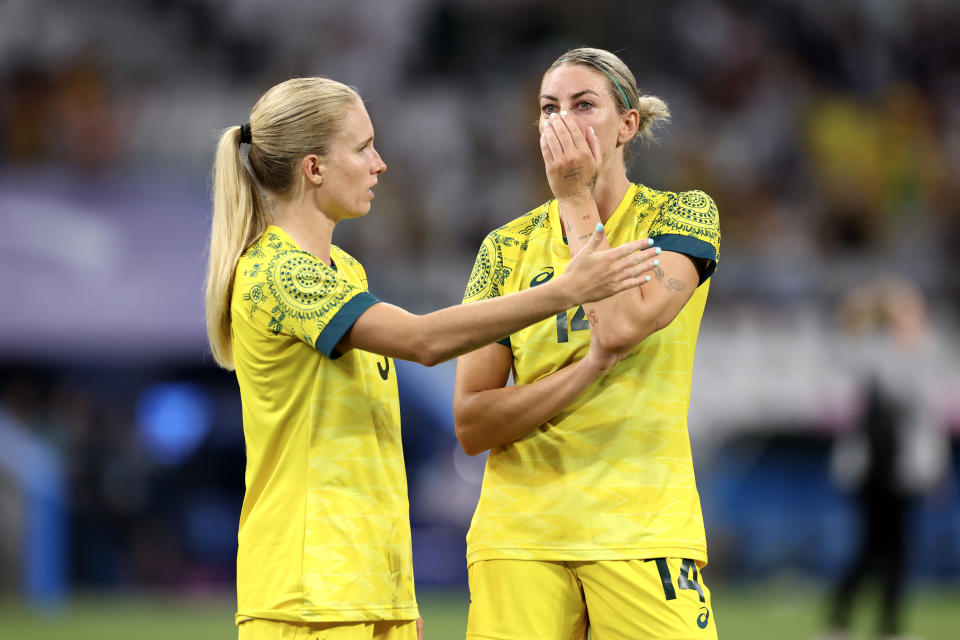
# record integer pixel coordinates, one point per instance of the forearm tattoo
(594, 317)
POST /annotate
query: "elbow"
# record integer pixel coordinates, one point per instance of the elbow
(621, 339)
(469, 443)
(467, 435)
(430, 358)
(470, 448)
(423, 350)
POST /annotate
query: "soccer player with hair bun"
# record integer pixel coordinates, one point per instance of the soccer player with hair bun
(589, 517)
(324, 541)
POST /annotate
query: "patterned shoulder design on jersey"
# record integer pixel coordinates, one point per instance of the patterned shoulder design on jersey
(298, 294)
(688, 223)
(342, 257)
(500, 251)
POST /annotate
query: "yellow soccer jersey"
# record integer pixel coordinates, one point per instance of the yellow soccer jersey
(324, 529)
(610, 476)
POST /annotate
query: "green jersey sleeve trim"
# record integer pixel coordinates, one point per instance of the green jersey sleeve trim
(341, 323)
(690, 246)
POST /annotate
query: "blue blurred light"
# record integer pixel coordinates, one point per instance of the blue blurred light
(172, 420)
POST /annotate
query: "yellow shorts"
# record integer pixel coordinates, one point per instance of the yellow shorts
(259, 629)
(661, 599)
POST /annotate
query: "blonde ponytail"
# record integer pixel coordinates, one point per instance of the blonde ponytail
(238, 220)
(293, 119)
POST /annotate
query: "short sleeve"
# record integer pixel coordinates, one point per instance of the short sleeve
(486, 278)
(302, 297)
(483, 283)
(689, 223)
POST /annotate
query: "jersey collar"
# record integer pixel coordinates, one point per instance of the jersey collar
(612, 227)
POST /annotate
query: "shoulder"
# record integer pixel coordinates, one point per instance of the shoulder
(693, 206)
(502, 249)
(688, 213)
(686, 222)
(276, 269)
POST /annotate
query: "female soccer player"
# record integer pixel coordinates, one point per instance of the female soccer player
(589, 514)
(324, 541)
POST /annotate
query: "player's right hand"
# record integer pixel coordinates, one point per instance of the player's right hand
(595, 274)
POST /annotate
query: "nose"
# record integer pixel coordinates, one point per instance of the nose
(380, 166)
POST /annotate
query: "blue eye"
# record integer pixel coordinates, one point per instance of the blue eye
(583, 106)
(549, 108)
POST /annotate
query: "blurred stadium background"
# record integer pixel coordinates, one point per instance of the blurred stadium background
(827, 132)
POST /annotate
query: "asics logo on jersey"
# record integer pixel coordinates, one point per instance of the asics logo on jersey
(384, 368)
(703, 618)
(542, 277)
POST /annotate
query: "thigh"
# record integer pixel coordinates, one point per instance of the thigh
(662, 599)
(259, 629)
(524, 600)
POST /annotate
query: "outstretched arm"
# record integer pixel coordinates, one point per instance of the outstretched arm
(432, 338)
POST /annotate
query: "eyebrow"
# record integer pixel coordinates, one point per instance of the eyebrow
(578, 94)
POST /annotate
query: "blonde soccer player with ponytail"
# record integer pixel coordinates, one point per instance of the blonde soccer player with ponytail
(589, 518)
(324, 539)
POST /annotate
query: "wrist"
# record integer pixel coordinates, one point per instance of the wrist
(561, 296)
(596, 368)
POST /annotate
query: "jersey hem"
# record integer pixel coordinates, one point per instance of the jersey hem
(341, 323)
(372, 614)
(586, 554)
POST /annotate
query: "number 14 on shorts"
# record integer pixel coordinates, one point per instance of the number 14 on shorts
(686, 580)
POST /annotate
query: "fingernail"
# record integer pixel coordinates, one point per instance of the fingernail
(656, 263)
(553, 115)
(599, 227)
(648, 279)
(563, 113)
(659, 250)
(592, 132)
(650, 241)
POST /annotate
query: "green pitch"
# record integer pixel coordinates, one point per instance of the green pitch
(781, 610)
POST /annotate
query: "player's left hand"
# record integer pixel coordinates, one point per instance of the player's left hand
(570, 158)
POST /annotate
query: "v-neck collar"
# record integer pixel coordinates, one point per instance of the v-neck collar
(612, 223)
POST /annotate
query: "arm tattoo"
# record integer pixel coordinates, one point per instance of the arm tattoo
(594, 317)
(593, 181)
(658, 273)
(674, 284)
(584, 237)
(574, 173)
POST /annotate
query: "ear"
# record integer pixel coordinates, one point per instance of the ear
(629, 123)
(313, 169)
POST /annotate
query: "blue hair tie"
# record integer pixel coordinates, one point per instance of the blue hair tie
(623, 94)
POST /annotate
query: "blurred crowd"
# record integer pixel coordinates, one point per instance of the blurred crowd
(827, 133)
